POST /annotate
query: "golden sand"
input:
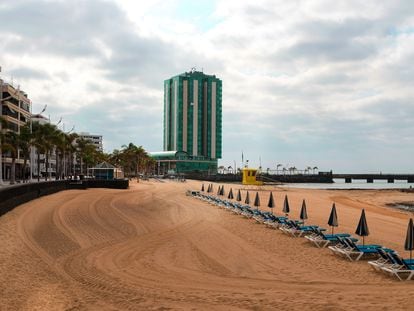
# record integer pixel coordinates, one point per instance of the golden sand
(153, 248)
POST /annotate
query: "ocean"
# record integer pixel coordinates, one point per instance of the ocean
(357, 184)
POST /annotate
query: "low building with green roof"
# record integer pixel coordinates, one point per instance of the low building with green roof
(180, 162)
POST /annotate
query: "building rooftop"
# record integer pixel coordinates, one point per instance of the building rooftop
(194, 73)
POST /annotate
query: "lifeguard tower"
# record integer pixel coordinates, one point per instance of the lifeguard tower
(249, 177)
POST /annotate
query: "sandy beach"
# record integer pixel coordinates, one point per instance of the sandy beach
(154, 248)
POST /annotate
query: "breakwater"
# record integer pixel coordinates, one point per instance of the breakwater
(322, 177)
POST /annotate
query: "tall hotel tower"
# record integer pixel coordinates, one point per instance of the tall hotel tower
(192, 115)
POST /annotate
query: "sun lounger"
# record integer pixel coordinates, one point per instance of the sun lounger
(385, 260)
(401, 268)
(355, 252)
(322, 240)
(293, 228)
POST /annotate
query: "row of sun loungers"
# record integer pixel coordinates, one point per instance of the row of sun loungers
(341, 244)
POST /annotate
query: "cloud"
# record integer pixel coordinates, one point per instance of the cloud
(306, 83)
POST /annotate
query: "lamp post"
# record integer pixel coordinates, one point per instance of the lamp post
(31, 147)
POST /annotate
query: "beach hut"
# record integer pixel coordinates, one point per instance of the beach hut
(106, 171)
(249, 177)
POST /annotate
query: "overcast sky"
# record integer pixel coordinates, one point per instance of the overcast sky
(305, 83)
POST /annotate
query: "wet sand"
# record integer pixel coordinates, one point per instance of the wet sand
(153, 248)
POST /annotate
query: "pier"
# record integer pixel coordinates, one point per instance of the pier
(390, 178)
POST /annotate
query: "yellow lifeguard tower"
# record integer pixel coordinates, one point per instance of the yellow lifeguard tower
(249, 177)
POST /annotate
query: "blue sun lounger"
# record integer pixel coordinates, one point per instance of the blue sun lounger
(296, 230)
(401, 268)
(355, 252)
(322, 240)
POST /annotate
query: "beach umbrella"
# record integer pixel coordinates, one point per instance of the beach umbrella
(271, 203)
(202, 188)
(333, 218)
(208, 188)
(303, 212)
(286, 208)
(409, 239)
(362, 229)
(230, 194)
(238, 198)
(247, 201)
(222, 190)
(219, 190)
(257, 200)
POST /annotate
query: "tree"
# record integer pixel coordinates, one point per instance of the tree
(3, 124)
(24, 145)
(277, 168)
(38, 142)
(132, 158)
(49, 133)
(11, 144)
(70, 149)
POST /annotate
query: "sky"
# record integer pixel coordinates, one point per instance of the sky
(305, 83)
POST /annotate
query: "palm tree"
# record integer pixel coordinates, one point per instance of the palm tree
(24, 145)
(81, 144)
(3, 125)
(277, 168)
(59, 140)
(132, 159)
(49, 133)
(314, 168)
(70, 148)
(38, 141)
(11, 144)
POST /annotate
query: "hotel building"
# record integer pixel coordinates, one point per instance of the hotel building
(192, 123)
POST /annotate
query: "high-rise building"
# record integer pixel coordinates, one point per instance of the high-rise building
(192, 124)
(192, 114)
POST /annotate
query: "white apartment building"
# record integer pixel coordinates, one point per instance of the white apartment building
(94, 139)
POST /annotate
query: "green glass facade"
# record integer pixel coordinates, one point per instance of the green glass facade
(181, 162)
(193, 116)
